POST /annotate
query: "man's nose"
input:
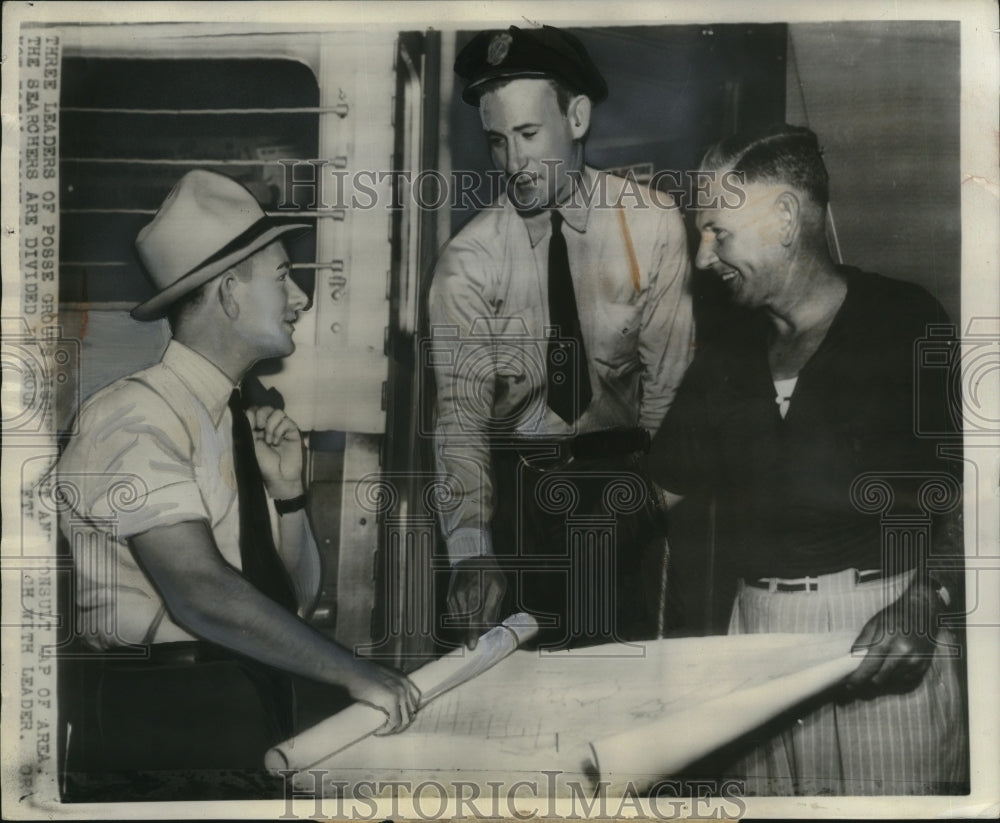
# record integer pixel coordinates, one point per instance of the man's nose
(515, 158)
(706, 252)
(297, 299)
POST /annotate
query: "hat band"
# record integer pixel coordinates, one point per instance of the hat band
(244, 239)
(240, 241)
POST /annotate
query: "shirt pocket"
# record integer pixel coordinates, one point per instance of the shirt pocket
(617, 346)
(520, 374)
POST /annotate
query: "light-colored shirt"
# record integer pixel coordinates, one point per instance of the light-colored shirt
(489, 315)
(783, 390)
(152, 449)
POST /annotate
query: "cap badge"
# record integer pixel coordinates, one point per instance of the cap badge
(499, 47)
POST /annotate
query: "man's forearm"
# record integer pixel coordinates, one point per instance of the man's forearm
(300, 556)
(211, 600)
(666, 349)
(467, 469)
(230, 612)
(464, 401)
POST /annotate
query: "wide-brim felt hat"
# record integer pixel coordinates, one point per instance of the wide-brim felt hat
(539, 52)
(206, 225)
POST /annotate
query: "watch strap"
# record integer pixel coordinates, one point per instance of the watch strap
(290, 504)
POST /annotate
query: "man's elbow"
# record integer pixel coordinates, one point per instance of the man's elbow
(666, 499)
(203, 604)
(670, 499)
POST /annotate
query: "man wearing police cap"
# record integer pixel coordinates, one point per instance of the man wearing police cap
(567, 312)
(196, 601)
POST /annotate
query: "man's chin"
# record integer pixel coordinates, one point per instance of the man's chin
(282, 349)
(526, 201)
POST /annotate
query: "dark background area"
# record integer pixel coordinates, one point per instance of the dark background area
(131, 128)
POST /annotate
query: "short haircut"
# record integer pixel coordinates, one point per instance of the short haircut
(778, 154)
(185, 304)
(564, 94)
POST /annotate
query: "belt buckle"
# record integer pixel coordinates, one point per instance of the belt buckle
(780, 584)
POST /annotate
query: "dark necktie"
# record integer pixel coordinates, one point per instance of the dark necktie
(567, 380)
(261, 565)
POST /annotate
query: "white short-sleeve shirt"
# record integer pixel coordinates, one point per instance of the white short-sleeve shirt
(152, 449)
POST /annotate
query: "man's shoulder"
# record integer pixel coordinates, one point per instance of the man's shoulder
(135, 387)
(131, 435)
(892, 301)
(728, 345)
(611, 188)
(483, 230)
(150, 394)
(476, 251)
(652, 216)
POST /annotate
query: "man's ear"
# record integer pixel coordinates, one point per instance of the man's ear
(578, 114)
(227, 294)
(789, 212)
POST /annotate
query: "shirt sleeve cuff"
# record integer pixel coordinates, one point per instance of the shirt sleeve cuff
(468, 542)
(162, 507)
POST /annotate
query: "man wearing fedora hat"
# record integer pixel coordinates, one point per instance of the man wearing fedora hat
(567, 311)
(211, 564)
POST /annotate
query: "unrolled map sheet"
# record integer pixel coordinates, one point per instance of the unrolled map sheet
(355, 723)
(617, 713)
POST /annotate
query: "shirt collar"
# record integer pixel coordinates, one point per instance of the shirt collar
(575, 211)
(205, 380)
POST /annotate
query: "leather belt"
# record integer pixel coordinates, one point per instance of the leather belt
(183, 652)
(811, 584)
(546, 453)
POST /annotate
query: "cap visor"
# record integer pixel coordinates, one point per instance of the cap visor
(472, 92)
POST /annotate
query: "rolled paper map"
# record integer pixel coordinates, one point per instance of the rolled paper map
(637, 759)
(357, 722)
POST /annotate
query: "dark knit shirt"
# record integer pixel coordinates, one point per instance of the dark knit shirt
(783, 486)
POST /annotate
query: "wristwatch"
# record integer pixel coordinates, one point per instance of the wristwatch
(291, 504)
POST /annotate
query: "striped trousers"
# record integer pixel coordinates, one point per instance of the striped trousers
(893, 744)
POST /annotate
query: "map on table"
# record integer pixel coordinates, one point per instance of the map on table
(619, 712)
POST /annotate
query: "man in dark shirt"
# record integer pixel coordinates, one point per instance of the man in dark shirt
(799, 418)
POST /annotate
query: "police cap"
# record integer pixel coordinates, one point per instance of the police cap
(544, 52)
